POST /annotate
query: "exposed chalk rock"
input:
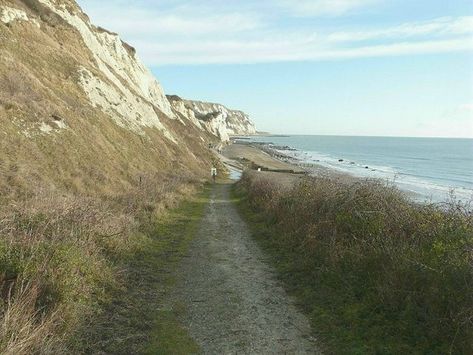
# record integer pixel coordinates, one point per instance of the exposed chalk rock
(117, 61)
(9, 14)
(215, 118)
(116, 82)
(125, 108)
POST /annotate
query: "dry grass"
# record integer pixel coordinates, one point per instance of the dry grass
(24, 329)
(377, 273)
(74, 202)
(94, 155)
(58, 253)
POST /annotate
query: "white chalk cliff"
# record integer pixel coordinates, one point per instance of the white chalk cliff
(121, 86)
(215, 118)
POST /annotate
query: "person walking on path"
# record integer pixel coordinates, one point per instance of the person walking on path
(213, 172)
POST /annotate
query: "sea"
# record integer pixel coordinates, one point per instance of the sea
(430, 169)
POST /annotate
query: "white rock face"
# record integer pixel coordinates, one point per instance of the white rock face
(118, 83)
(129, 78)
(215, 118)
(125, 108)
(60, 125)
(45, 128)
(9, 14)
(179, 106)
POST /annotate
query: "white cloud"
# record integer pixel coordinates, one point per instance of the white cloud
(208, 31)
(325, 7)
(234, 52)
(437, 27)
(150, 24)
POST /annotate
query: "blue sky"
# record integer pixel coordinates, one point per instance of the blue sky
(347, 67)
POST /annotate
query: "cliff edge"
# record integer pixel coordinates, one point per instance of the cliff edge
(214, 118)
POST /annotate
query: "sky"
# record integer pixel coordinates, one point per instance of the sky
(330, 67)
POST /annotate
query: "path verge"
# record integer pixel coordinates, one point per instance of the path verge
(135, 321)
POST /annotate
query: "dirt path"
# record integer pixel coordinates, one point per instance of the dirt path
(233, 302)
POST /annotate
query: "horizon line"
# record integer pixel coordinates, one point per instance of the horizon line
(353, 135)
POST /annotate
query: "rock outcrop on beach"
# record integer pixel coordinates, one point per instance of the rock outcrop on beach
(77, 104)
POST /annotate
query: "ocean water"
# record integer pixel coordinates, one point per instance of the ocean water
(430, 168)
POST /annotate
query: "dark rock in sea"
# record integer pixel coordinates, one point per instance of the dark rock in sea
(367, 167)
(340, 160)
(352, 163)
(283, 147)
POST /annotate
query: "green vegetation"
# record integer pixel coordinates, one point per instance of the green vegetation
(375, 272)
(138, 320)
(83, 274)
(77, 203)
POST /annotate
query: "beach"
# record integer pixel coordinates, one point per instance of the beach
(254, 155)
(285, 170)
(413, 165)
(275, 166)
(431, 169)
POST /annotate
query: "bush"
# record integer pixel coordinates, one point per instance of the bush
(377, 272)
(59, 256)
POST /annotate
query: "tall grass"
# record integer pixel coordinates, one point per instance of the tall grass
(72, 205)
(377, 272)
(59, 258)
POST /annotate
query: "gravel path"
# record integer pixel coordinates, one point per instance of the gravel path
(233, 302)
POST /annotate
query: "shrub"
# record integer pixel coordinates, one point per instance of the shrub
(59, 258)
(378, 272)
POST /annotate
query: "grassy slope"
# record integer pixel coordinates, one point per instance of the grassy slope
(72, 202)
(136, 320)
(93, 155)
(63, 258)
(379, 297)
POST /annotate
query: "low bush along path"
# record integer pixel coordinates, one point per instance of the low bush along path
(232, 300)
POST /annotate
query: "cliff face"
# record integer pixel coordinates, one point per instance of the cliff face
(76, 101)
(215, 118)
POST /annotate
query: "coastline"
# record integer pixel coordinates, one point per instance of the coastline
(429, 170)
(343, 248)
(285, 169)
(255, 155)
(281, 169)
